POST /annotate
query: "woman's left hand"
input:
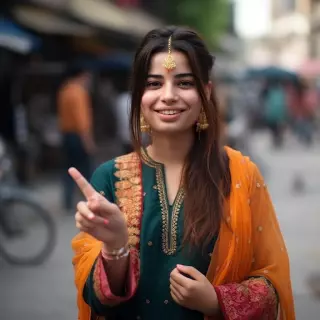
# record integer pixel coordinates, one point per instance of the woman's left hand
(196, 293)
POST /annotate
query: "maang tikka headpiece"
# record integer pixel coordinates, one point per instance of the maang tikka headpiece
(169, 63)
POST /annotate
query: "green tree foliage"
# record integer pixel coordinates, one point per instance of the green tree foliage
(209, 17)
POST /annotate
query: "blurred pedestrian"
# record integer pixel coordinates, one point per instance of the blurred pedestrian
(306, 117)
(181, 229)
(75, 121)
(276, 112)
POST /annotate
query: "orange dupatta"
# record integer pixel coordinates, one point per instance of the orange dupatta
(249, 244)
(86, 250)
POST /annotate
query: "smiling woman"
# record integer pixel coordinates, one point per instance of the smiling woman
(184, 226)
(171, 102)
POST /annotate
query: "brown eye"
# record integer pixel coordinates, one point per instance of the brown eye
(153, 84)
(185, 84)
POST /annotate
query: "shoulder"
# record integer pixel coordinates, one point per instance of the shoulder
(107, 169)
(111, 175)
(127, 160)
(76, 91)
(241, 166)
(102, 177)
(104, 169)
(236, 156)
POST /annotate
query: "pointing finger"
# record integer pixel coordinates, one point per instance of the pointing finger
(102, 207)
(85, 187)
(87, 215)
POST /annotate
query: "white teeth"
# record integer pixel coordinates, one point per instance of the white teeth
(169, 112)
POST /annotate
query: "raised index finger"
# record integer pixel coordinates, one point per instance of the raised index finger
(85, 187)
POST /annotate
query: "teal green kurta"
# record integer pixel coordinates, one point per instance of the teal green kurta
(160, 248)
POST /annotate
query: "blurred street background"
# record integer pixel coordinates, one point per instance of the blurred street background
(267, 79)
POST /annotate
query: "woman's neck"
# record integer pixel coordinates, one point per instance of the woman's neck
(171, 149)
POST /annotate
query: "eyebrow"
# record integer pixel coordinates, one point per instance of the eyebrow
(177, 76)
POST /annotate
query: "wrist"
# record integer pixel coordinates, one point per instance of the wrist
(121, 242)
(114, 249)
(117, 246)
(115, 254)
(213, 307)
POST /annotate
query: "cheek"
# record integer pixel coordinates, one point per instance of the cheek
(147, 100)
(194, 102)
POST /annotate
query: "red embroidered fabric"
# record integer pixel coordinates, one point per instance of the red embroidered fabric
(101, 282)
(254, 299)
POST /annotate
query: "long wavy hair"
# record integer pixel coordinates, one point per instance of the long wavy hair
(207, 179)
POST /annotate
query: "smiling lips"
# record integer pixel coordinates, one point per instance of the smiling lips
(169, 112)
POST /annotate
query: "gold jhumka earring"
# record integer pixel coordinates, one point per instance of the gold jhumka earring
(144, 127)
(202, 123)
(169, 63)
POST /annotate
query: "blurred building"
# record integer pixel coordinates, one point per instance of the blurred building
(230, 58)
(290, 31)
(315, 29)
(288, 42)
(119, 22)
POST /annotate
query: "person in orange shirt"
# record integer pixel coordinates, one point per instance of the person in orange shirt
(75, 121)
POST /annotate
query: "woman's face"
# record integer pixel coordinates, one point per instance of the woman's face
(171, 102)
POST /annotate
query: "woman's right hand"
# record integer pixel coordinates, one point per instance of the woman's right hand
(99, 217)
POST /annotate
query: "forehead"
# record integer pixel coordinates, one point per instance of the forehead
(156, 65)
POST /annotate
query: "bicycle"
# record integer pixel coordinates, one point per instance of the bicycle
(21, 232)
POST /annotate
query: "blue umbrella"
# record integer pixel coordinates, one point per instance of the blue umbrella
(14, 38)
(109, 62)
(272, 73)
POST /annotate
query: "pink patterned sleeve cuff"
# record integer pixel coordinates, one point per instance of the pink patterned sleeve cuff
(250, 300)
(101, 282)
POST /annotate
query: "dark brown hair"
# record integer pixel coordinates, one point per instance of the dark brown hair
(206, 176)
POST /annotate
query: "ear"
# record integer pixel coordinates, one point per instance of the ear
(208, 89)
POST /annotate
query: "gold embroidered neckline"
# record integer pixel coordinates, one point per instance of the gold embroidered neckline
(169, 228)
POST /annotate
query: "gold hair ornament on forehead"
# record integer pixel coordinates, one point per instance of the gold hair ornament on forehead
(169, 63)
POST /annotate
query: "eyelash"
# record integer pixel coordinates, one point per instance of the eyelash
(186, 83)
(153, 84)
(181, 84)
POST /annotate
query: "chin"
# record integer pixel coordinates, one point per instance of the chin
(171, 129)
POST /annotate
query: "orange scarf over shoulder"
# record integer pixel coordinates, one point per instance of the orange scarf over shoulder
(250, 242)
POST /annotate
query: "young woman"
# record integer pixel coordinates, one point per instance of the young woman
(185, 228)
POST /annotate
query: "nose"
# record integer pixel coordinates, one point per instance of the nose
(169, 95)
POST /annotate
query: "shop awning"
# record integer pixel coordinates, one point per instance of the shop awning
(14, 38)
(45, 21)
(104, 14)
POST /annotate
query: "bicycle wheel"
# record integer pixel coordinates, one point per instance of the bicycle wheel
(36, 237)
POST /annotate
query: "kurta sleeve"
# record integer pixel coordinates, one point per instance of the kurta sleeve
(268, 284)
(90, 297)
(253, 299)
(97, 293)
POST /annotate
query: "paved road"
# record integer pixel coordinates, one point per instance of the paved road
(298, 213)
(47, 292)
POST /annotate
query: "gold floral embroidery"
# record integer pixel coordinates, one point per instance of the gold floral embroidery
(129, 193)
(169, 228)
(126, 174)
